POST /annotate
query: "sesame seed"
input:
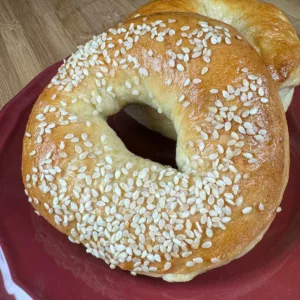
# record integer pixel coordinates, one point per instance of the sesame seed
(145, 72)
(204, 70)
(201, 146)
(230, 89)
(261, 207)
(186, 254)
(198, 260)
(206, 59)
(69, 136)
(259, 138)
(197, 81)
(213, 156)
(179, 43)
(279, 209)
(239, 201)
(247, 210)
(32, 153)
(62, 145)
(196, 55)
(227, 40)
(252, 77)
(227, 126)
(218, 103)
(180, 67)
(252, 161)
(167, 266)
(215, 260)
(171, 63)
(190, 264)
(185, 28)
(181, 98)
(253, 111)
(248, 155)
(187, 82)
(253, 87)
(104, 69)
(225, 94)
(214, 40)
(206, 244)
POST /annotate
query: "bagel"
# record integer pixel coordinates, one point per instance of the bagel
(232, 147)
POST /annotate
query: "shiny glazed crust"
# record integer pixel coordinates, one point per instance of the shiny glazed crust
(232, 147)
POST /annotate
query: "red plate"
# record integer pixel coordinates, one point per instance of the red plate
(45, 265)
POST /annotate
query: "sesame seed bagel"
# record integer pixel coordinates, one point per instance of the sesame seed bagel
(232, 147)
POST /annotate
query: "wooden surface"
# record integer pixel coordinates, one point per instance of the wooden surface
(37, 33)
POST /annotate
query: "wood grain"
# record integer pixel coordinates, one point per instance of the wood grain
(37, 33)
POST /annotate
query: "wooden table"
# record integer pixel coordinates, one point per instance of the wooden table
(36, 33)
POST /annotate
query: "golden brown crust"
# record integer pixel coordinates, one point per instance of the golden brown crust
(74, 175)
(265, 27)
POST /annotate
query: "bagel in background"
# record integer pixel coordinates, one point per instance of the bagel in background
(264, 26)
(232, 143)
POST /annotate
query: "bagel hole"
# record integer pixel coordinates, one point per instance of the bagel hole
(142, 141)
